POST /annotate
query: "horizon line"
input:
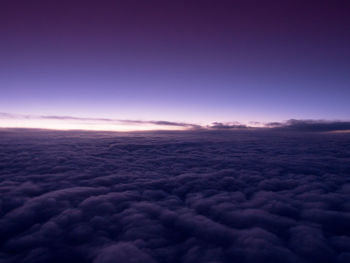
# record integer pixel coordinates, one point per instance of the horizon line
(73, 123)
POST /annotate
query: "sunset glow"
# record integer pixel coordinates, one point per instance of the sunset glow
(174, 131)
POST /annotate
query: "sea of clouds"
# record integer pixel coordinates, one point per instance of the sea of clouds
(195, 196)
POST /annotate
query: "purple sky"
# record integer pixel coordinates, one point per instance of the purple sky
(182, 61)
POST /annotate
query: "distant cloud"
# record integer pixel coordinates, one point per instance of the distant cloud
(73, 118)
(99, 122)
(290, 125)
(227, 126)
(311, 125)
(164, 123)
(5, 115)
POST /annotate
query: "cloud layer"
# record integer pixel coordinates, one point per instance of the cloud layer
(196, 196)
(311, 125)
(8, 120)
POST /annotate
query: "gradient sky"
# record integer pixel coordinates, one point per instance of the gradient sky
(181, 61)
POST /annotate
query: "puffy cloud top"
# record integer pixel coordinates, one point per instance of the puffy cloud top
(197, 196)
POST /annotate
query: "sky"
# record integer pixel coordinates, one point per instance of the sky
(194, 62)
